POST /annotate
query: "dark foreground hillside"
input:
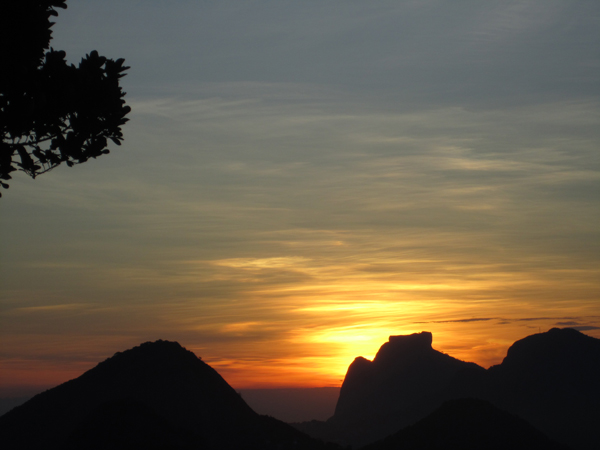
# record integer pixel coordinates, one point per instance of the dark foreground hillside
(468, 424)
(155, 396)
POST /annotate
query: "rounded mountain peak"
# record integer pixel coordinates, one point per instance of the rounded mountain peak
(152, 358)
(559, 350)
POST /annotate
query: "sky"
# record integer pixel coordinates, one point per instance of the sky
(300, 180)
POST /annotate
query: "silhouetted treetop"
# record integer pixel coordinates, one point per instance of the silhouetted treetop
(51, 111)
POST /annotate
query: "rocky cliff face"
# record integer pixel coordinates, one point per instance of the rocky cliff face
(404, 375)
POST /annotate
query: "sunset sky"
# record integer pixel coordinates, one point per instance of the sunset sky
(301, 179)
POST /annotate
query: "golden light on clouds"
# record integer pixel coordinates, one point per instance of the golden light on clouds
(262, 263)
(306, 328)
(294, 320)
(284, 217)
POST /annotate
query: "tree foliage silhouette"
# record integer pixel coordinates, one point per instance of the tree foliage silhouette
(50, 111)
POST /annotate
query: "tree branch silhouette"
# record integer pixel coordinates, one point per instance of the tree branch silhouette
(51, 111)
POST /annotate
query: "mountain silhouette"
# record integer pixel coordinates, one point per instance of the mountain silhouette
(155, 396)
(405, 370)
(468, 424)
(400, 386)
(550, 379)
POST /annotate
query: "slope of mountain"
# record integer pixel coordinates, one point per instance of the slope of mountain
(468, 424)
(157, 395)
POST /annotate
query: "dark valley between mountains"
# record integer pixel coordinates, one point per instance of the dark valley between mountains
(544, 395)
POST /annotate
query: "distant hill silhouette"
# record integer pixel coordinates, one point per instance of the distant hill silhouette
(468, 424)
(550, 379)
(155, 396)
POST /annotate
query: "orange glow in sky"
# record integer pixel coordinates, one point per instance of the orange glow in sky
(301, 180)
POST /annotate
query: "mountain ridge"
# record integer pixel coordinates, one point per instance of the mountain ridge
(160, 395)
(549, 379)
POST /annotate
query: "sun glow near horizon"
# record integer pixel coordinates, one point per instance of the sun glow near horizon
(295, 321)
(323, 329)
(285, 199)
